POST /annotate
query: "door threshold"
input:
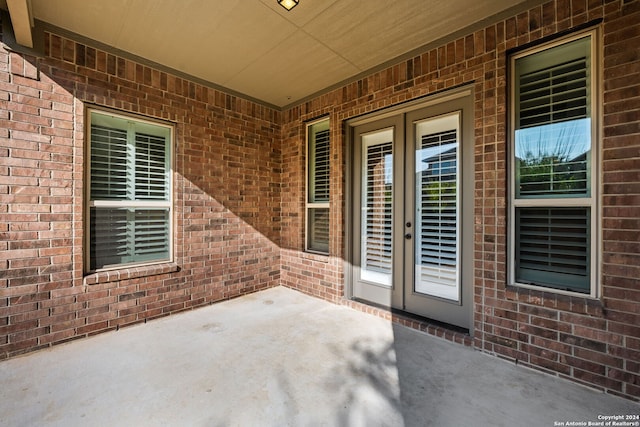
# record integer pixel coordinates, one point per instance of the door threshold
(429, 321)
(432, 327)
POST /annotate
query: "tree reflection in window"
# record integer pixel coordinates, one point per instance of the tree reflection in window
(553, 160)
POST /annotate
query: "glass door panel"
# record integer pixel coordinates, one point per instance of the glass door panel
(377, 207)
(436, 207)
(411, 247)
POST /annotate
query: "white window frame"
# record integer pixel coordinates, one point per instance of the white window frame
(166, 204)
(592, 202)
(310, 170)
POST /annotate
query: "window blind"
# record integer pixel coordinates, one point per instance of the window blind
(554, 94)
(130, 207)
(318, 186)
(109, 164)
(128, 235)
(437, 242)
(553, 176)
(553, 126)
(377, 220)
(319, 229)
(151, 168)
(553, 247)
(319, 191)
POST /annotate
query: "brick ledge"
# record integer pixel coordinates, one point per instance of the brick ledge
(130, 273)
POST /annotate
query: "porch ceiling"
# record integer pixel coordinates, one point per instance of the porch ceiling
(256, 48)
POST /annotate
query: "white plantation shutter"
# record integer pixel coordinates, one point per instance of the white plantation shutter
(554, 94)
(437, 221)
(377, 220)
(319, 229)
(553, 247)
(553, 129)
(151, 167)
(318, 185)
(151, 233)
(128, 235)
(553, 174)
(130, 200)
(108, 163)
(319, 165)
(110, 237)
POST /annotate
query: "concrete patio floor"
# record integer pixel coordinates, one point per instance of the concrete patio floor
(281, 358)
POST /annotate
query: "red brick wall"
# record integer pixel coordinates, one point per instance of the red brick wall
(316, 275)
(596, 342)
(226, 196)
(239, 196)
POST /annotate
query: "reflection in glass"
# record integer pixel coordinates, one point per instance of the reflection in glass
(553, 159)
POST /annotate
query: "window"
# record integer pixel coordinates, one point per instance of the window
(129, 203)
(318, 187)
(553, 166)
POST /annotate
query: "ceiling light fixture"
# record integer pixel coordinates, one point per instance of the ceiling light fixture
(288, 4)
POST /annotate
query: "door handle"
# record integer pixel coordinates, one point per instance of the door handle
(407, 236)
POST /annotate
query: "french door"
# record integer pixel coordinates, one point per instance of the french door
(412, 212)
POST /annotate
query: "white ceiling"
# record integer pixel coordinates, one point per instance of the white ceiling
(257, 48)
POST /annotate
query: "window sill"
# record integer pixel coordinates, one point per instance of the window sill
(316, 256)
(130, 273)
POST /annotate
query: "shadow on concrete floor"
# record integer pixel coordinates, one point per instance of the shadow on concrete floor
(281, 358)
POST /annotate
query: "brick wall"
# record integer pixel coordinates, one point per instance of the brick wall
(596, 342)
(313, 274)
(239, 196)
(226, 182)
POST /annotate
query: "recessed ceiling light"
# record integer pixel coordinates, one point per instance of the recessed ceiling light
(288, 4)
